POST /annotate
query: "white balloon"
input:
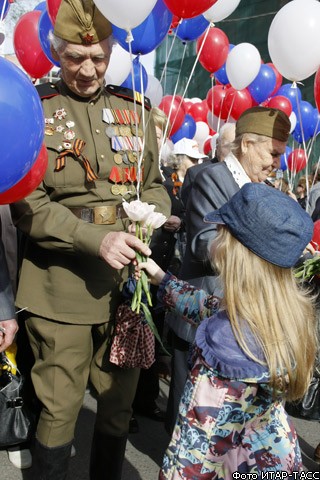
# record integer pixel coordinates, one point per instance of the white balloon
(202, 132)
(154, 91)
(195, 100)
(294, 39)
(214, 122)
(119, 66)
(243, 65)
(293, 121)
(221, 10)
(213, 143)
(125, 14)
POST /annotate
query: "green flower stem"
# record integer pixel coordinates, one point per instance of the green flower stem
(308, 269)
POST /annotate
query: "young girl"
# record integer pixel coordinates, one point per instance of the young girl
(253, 353)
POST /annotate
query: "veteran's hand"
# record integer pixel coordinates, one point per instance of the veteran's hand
(8, 330)
(118, 249)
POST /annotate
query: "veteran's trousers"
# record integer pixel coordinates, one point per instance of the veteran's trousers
(66, 356)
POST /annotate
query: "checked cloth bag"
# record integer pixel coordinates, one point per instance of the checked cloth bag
(133, 343)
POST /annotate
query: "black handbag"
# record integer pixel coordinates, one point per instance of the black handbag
(17, 419)
(309, 405)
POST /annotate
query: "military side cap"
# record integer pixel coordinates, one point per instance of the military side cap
(270, 122)
(80, 22)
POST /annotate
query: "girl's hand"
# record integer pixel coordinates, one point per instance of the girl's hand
(154, 272)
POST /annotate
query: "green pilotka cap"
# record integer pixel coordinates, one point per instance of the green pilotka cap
(270, 122)
(80, 22)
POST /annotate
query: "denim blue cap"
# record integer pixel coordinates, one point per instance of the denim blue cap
(268, 222)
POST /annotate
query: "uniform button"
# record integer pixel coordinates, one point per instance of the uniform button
(165, 243)
(91, 104)
(102, 156)
(97, 130)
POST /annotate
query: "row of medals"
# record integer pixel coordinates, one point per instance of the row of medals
(124, 157)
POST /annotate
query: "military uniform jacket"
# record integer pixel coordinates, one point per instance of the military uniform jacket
(62, 277)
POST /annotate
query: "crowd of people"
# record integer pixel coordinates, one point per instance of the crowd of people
(240, 330)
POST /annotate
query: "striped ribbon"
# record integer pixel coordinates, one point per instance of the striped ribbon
(76, 151)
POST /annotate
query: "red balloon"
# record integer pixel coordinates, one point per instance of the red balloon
(27, 45)
(316, 235)
(199, 111)
(188, 8)
(29, 182)
(215, 99)
(282, 103)
(187, 105)
(278, 79)
(297, 160)
(213, 46)
(236, 102)
(175, 111)
(207, 146)
(317, 89)
(52, 8)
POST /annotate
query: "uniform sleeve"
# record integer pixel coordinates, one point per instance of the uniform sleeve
(7, 308)
(187, 301)
(54, 227)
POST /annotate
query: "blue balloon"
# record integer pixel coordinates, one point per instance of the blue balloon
(315, 124)
(44, 27)
(42, 6)
(149, 34)
(304, 128)
(264, 84)
(5, 10)
(221, 74)
(21, 124)
(187, 129)
(138, 70)
(292, 93)
(191, 28)
(284, 158)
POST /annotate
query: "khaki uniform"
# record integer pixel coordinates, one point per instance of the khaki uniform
(63, 281)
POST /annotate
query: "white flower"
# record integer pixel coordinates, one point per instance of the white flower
(155, 220)
(138, 211)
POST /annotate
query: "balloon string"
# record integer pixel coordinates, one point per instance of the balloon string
(211, 25)
(191, 73)
(174, 94)
(140, 157)
(164, 75)
(294, 85)
(135, 110)
(3, 9)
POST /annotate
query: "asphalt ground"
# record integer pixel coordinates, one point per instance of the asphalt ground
(145, 449)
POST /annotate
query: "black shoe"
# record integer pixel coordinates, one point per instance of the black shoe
(154, 414)
(133, 425)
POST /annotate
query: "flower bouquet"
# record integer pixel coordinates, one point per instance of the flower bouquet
(133, 342)
(145, 220)
(309, 269)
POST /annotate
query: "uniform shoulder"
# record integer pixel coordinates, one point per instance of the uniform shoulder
(129, 95)
(47, 90)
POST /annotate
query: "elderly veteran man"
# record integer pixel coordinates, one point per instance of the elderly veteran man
(77, 246)
(260, 140)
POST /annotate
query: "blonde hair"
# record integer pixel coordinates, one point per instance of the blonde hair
(280, 315)
(160, 120)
